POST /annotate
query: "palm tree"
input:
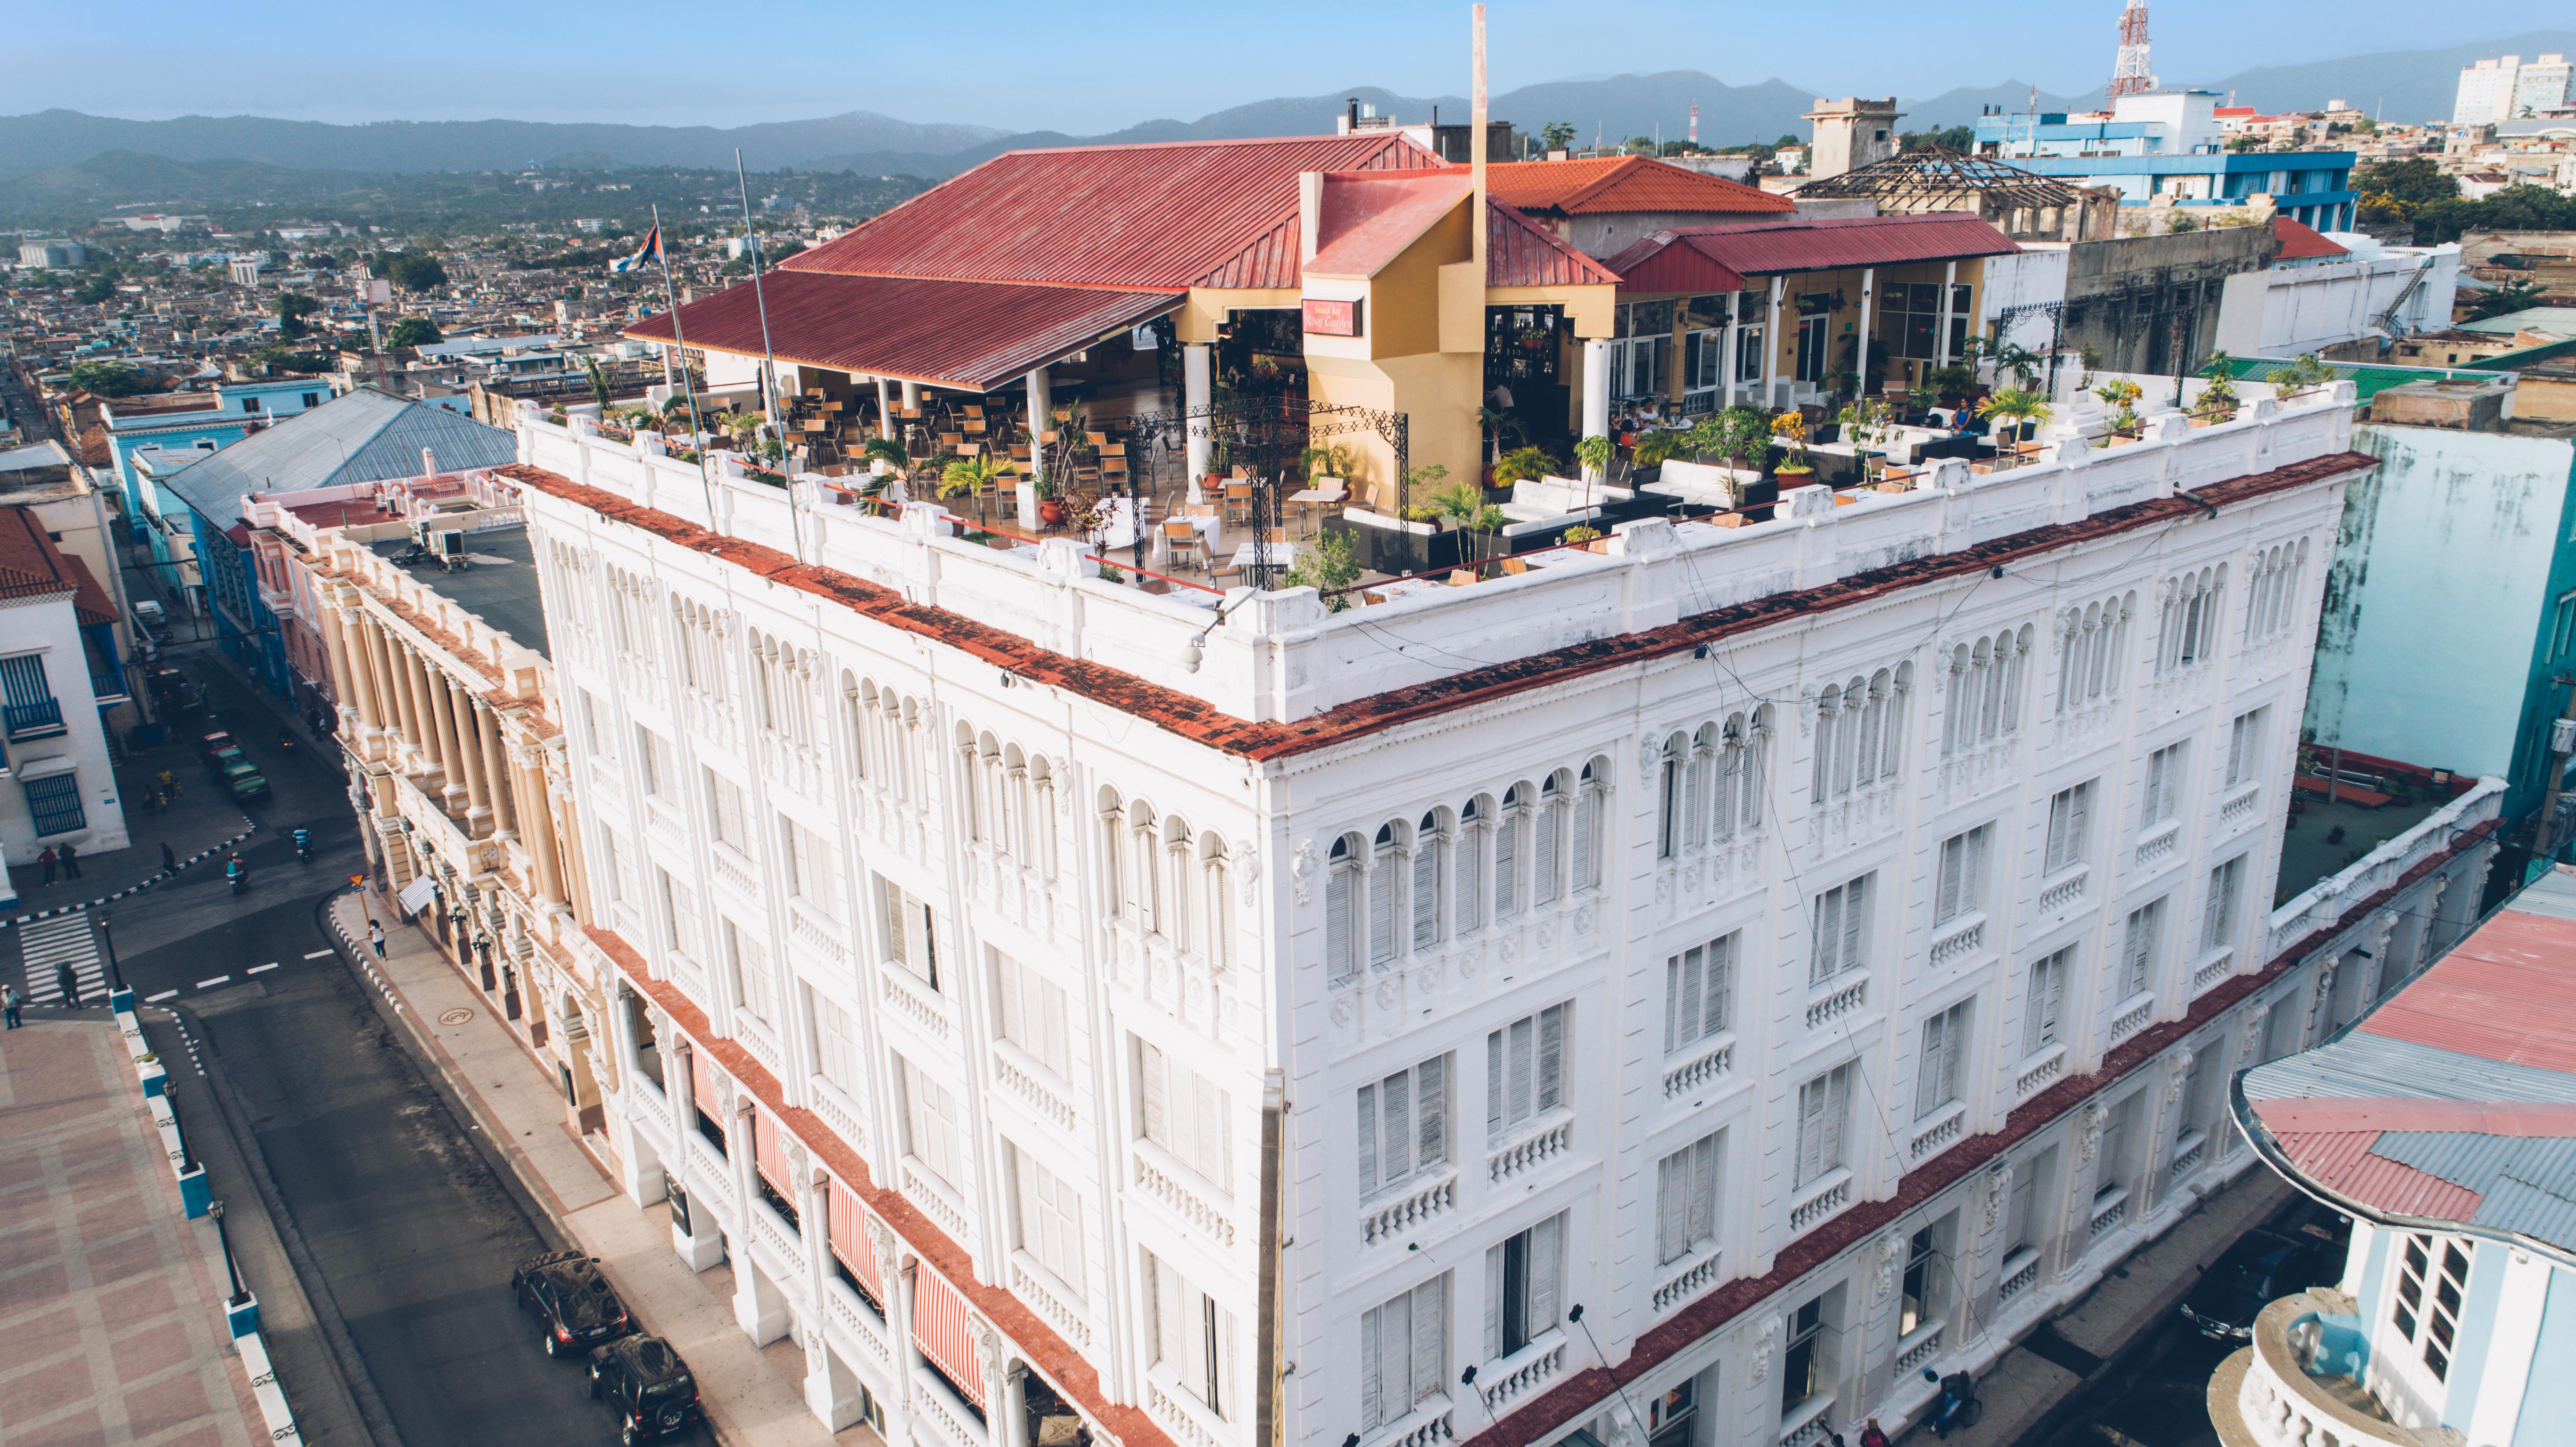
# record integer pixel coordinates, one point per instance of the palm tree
(2015, 406)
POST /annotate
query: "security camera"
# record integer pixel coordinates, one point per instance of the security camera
(1193, 651)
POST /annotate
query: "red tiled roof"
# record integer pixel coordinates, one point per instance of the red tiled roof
(1623, 183)
(92, 447)
(1127, 217)
(2300, 241)
(1200, 722)
(1702, 258)
(968, 334)
(1520, 252)
(31, 566)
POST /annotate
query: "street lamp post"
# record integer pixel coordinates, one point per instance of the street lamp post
(215, 1209)
(107, 937)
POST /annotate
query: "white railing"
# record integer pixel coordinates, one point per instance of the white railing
(1396, 1215)
(1691, 1075)
(2020, 1269)
(2212, 970)
(1540, 1143)
(841, 1115)
(732, 870)
(2065, 891)
(1180, 1421)
(930, 1398)
(2157, 845)
(1027, 1287)
(1822, 1198)
(1947, 1127)
(1163, 1184)
(1424, 1425)
(2110, 1208)
(1022, 1081)
(2039, 1070)
(1691, 1281)
(934, 1198)
(1523, 1372)
(1808, 1422)
(2187, 1153)
(1963, 939)
(1282, 657)
(1825, 1009)
(2238, 807)
(773, 1232)
(2322, 904)
(1921, 1347)
(817, 932)
(2133, 1017)
(914, 1002)
(2280, 1405)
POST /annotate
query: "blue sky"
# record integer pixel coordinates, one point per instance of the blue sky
(1095, 67)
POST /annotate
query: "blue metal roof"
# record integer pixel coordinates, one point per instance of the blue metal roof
(363, 436)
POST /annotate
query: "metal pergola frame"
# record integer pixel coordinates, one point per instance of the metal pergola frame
(1265, 434)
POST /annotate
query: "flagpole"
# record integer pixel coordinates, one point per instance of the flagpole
(697, 434)
(768, 361)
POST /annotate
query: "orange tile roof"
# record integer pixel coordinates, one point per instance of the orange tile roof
(1623, 183)
(2301, 242)
(32, 567)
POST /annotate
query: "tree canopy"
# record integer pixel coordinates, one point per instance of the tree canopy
(410, 270)
(109, 379)
(414, 332)
(292, 308)
(2515, 208)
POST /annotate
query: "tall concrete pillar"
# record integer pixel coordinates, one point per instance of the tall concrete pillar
(1771, 350)
(1734, 341)
(442, 727)
(911, 394)
(1195, 392)
(487, 727)
(885, 411)
(537, 825)
(1041, 403)
(1860, 345)
(469, 749)
(1941, 339)
(344, 681)
(1596, 387)
(424, 722)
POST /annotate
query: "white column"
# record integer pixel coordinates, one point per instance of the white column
(885, 411)
(1949, 289)
(1194, 398)
(1596, 387)
(1771, 351)
(1041, 403)
(911, 394)
(1860, 352)
(1734, 339)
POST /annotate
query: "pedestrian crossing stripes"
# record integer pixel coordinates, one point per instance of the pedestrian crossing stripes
(48, 946)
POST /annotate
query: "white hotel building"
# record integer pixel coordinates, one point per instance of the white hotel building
(1738, 969)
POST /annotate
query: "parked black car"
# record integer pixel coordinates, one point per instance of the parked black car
(2257, 1271)
(574, 1305)
(646, 1384)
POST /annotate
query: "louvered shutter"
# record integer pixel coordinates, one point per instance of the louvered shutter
(1546, 1272)
(2059, 811)
(1927, 1070)
(1551, 844)
(1524, 1056)
(1703, 1191)
(1396, 1158)
(890, 913)
(1972, 886)
(1811, 1130)
(1431, 1112)
(1493, 1084)
(1692, 826)
(1672, 1207)
(1221, 1372)
(1837, 1114)
(1855, 911)
(1368, 1127)
(1426, 891)
(1551, 1057)
(1587, 819)
(1156, 1093)
(1945, 902)
(1430, 1340)
(1372, 1385)
(1339, 961)
(1381, 909)
(2079, 820)
(1507, 865)
(1470, 884)
(1829, 935)
(1681, 996)
(1720, 989)
(1494, 1303)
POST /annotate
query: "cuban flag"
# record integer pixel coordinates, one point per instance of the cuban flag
(650, 251)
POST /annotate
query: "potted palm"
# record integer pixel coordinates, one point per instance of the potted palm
(970, 477)
(2218, 401)
(2121, 396)
(2016, 412)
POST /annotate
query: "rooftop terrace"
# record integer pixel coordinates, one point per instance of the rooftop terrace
(1658, 585)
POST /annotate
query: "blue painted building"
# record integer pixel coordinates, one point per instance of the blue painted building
(2168, 147)
(363, 436)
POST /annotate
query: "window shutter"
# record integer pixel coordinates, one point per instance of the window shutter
(1493, 1303)
(1855, 907)
(1681, 999)
(1372, 1388)
(890, 910)
(1546, 1272)
(1173, 1317)
(2079, 820)
(1837, 1114)
(1156, 1103)
(1587, 818)
(1024, 1194)
(1395, 1095)
(1431, 1111)
(1426, 890)
(1524, 1046)
(1493, 1084)
(1703, 1192)
(1221, 1371)
(1720, 989)
(1551, 859)
(1829, 934)
(1368, 1140)
(1945, 899)
(1672, 1207)
(1927, 1068)
(1215, 1148)
(1430, 1340)
(1551, 1057)
(1691, 828)
(1338, 960)
(1507, 865)
(1972, 890)
(1381, 890)
(1811, 1130)
(1470, 884)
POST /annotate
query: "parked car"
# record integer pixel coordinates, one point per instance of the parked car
(241, 779)
(646, 1384)
(573, 1304)
(2258, 1270)
(217, 749)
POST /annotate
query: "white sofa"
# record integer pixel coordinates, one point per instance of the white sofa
(1701, 484)
(1539, 504)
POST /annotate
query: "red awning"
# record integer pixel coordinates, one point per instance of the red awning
(702, 1087)
(968, 335)
(769, 1155)
(939, 1328)
(851, 1241)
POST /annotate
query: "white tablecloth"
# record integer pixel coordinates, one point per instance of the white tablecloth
(1277, 554)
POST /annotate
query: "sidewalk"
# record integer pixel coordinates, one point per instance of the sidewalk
(200, 824)
(751, 1394)
(114, 1301)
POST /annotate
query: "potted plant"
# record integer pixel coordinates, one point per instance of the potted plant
(2301, 375)
(1789, 430)
(1464, 508)
(2017, 410)
(1328, 566)
(970, 477)
(2121, 396)
(2218, 399)
(1584, 537)
(1595, 454)
(1050, 507)
(1522, 464)
(1657, 448)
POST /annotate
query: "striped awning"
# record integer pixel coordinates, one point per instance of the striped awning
(940, 1329)
(769, 1154)
(702, 1086)
(851, 1241)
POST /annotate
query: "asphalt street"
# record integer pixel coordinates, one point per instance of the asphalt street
(406, 1217)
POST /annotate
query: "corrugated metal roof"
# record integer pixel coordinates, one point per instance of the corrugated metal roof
(1136, 218)
(1772, 248)
(1624, 183)
(967, 334)
(2528, 1210)
(2506, 993)
(361, 436)
(1368, 218)
(2302, 242)
(2344, 1164)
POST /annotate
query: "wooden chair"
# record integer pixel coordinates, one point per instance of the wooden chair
(1096, 439)
(1181, 542)
(975, 412)
(974, 427)
(952, 440)
(1238, 502)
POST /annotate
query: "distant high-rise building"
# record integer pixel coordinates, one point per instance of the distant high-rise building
(2506, 89)
(2130, 74)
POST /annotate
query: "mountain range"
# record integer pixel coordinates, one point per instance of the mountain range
(2407, 85)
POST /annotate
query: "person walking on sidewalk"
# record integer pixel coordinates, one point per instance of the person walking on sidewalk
(376, 938)
(169, 861)
(47, 859)
(71, 861)
(9, 1003)
(69, 984)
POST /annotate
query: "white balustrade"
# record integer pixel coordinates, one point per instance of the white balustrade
(1387, 1219)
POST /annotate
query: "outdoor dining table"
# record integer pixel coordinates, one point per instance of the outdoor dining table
(1259, 554)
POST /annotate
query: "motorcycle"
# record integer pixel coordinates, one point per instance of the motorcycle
(304, 844)
(239, 876)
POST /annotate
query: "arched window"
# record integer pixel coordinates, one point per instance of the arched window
(970, 784)
(1985, 691)
(1114, 869)
(1430, 873)
(1829, 717)
(1342, 883)
(1511, 827)
(1591, 800)
(1180, 877)
(1698, 822)
(2094, 640)
(1216, 884)
(2191, 619)
(1755, 776)
(1145, 871)
(1385, 872)
(1672, 771)
(1554, 804)
(1475, 839)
